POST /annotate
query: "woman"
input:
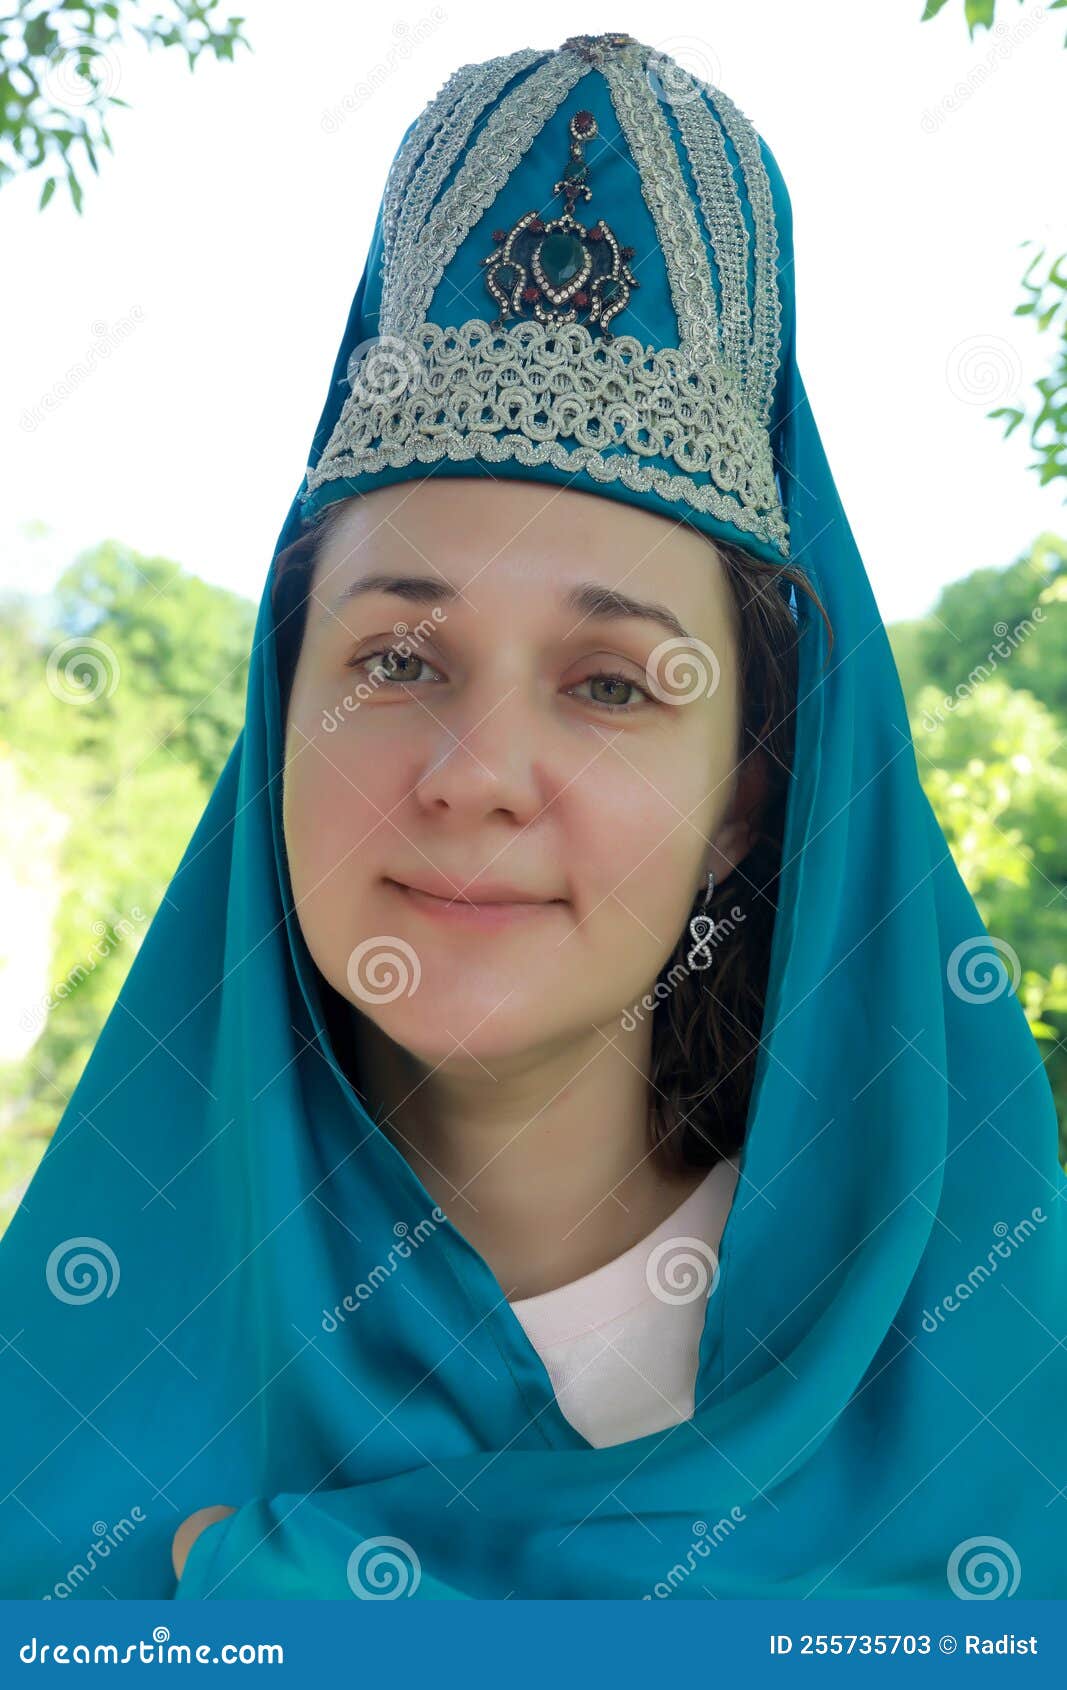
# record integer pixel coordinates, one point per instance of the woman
(512, 1059)
(388, 1177)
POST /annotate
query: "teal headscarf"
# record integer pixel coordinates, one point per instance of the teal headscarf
(882, 1373)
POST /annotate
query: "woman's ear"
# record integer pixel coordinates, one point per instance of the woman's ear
(735, 836)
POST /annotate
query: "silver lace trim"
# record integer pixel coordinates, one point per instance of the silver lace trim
(425, 392)
(434, 143)
(641, 118)
(419, 263)
(519, 391)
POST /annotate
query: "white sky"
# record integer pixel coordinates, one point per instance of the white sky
(220, 247)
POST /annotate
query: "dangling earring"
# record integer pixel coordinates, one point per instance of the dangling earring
(702, 930)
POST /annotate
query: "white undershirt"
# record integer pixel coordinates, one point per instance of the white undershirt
(621, 1344)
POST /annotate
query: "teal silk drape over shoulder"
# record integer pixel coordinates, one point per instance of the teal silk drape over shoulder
(226, 1285)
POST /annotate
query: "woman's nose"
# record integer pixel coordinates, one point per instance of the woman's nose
(493, 755)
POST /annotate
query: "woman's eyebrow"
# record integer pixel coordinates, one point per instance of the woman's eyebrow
(585, 598)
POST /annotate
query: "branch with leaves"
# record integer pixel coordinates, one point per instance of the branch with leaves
(59, 67)
(979, 14)
(1048, 422)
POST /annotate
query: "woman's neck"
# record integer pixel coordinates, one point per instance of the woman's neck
(546, 1165)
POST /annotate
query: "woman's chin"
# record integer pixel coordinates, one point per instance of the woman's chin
(463, 1030)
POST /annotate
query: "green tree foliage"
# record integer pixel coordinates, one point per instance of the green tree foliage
(60, 65)
(993, 615)
(118, 707)
(985, 676)
(1047, 305)
(978, 14)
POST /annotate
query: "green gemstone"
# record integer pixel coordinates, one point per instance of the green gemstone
(562, 257)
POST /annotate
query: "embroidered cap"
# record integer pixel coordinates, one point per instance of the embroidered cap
(489, 341)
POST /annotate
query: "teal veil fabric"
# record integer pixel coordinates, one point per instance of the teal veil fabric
(226, 1285)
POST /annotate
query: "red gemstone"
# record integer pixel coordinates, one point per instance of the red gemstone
(536, 224)
(500, 234)
(596, 233)
(530, 294)
(626, 251)
(581, 298)
(583, 120)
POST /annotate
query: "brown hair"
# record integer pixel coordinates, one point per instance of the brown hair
(706, 1023)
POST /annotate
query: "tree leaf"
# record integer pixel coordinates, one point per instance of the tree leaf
(979, 13)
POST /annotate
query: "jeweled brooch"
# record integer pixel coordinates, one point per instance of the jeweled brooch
(560, 271)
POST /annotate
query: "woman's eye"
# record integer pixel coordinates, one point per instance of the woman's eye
(614, 685)
(391, 666)
(388, 664)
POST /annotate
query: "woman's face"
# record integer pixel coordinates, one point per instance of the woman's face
(493, 755)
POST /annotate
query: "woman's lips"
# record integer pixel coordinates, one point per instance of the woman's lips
(466, 914)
